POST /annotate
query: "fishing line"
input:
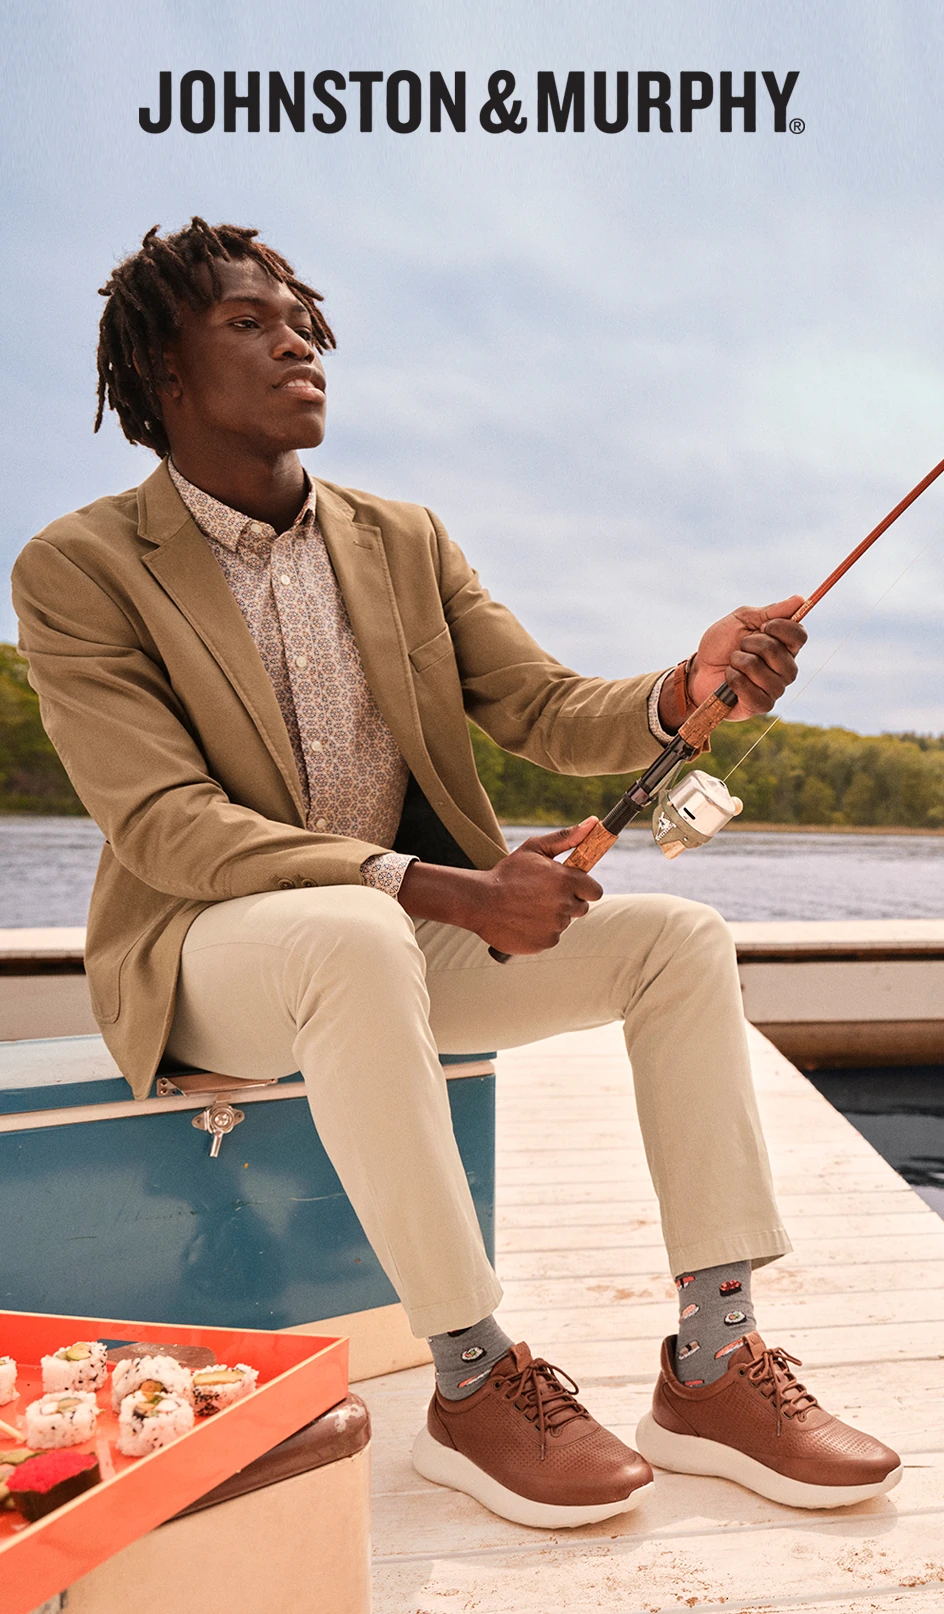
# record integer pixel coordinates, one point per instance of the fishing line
(835, 651)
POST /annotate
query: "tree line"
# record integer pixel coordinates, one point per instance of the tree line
(798, 775)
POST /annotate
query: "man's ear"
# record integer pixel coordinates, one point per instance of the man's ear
(172, 386)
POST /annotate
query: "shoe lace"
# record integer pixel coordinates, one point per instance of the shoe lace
(537, 1391)
(791, 1398)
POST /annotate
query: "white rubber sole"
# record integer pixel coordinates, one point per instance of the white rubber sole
(444, 1466)
(689, 1454)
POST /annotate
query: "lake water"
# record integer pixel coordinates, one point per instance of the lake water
(901, 1113)
(748, 874)
(47, 866)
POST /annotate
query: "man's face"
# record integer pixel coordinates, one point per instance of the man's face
(246, 367)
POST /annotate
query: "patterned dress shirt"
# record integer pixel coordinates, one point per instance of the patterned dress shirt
(352, 775)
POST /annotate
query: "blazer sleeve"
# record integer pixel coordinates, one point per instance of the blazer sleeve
(124, 739)
(525, 700)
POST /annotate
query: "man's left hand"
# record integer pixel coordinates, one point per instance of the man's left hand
(754, 651)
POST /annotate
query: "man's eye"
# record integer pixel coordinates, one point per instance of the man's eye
(238, 323)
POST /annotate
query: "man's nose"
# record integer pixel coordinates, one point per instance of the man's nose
(293, 345)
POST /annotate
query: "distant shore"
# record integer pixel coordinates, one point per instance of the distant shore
(757, 828)
(21, 812)
(832, 829)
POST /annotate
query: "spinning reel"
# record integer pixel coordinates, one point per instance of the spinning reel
(691, 812)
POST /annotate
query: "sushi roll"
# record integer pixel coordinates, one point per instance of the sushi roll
(217, 1387)
(61, 1420)
(46, 1482)
(147, 1422)
(150, 1374)
(9, 1462)
(7, 1380)
(82, 1366)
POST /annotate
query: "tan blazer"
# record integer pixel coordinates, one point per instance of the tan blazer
(155, 697)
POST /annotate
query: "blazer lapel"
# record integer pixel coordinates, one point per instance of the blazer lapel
(184, 566)
(360, 566)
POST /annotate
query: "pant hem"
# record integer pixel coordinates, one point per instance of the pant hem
(460, 1312)
(758, 1248)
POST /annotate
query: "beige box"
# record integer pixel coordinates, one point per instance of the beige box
(300, 1545)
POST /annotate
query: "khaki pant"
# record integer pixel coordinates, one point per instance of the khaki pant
(339, 983)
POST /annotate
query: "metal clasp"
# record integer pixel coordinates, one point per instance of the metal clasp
(220, 1116)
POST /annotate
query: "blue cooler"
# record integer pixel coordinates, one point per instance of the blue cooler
(200, 1204)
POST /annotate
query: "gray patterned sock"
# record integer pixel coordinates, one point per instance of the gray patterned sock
(464, 1358)
(715, 1312)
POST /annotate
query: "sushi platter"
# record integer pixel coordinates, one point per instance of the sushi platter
(109, 1428)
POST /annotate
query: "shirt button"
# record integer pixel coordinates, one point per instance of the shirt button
(315, 745)
(321, 823)
(285, 579)
(301, 661)
(256, 527)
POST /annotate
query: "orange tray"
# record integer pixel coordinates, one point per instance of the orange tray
(300, 1376)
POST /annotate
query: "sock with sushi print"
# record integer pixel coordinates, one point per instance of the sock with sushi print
(465, 1358)
(715, 1312)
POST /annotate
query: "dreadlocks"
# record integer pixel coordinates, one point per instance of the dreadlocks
(145, 293)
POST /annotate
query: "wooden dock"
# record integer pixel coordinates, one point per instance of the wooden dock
(861, 1301)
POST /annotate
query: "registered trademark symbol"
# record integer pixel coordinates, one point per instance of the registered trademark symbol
(797, 126)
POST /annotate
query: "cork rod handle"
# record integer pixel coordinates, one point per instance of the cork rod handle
(591, 849)
(584, 856)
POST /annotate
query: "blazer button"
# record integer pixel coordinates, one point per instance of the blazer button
(309, 885)
(286, 885)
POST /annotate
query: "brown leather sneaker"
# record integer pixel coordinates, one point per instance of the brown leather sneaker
(524, 1447)
(759, 1427)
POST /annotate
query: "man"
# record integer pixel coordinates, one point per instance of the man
(260, 687)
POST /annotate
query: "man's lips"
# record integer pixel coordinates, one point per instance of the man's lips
(304, 387)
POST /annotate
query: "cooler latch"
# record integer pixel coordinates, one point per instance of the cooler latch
(220, 1115)
(218, 1119)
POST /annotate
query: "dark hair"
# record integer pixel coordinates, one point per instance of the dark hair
(144, 295)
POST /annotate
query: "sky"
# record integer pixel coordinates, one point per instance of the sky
(642, 378)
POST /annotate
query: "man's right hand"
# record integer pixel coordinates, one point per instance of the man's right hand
(522, 905)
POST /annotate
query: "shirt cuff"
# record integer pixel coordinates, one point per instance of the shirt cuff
(384, 871)
(655, 727)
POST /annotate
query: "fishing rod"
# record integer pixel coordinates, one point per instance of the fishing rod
(693, 811)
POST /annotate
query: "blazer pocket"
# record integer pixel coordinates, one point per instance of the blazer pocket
(104, 985)
(105, 993)
(435, 649)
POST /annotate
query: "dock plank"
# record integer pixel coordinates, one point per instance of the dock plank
(641, 1229)
(580, 1288)
(840, 1254)
(643, 1319)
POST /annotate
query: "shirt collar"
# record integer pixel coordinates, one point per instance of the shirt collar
(227, 526)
